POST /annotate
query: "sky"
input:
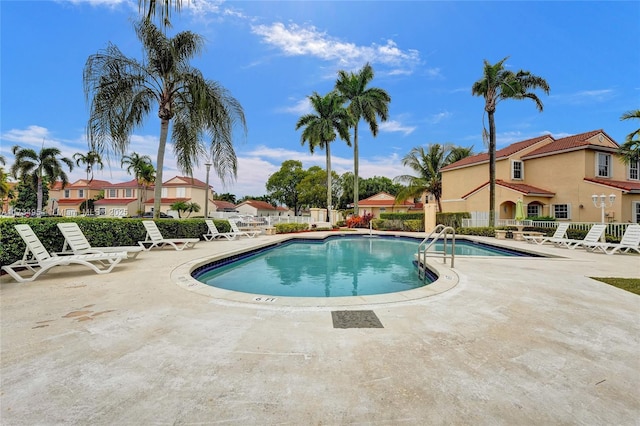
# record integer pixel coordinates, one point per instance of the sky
(271, 55)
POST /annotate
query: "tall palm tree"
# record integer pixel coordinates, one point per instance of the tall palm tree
(123, 92)
(90, 160)
(160, 7)
(364, 103)
(498, 84)
(45, 163)
(140, 166)
(630, 149)
(427, 164)
(321, 128)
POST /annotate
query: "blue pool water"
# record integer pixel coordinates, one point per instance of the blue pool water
(336, 266)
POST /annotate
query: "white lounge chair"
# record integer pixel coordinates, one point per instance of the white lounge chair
(593, 236)
(238, 232)
(215, 234)
(561, 230)
(630, 241)
(37, 259)
(155, 239)
(76, 243)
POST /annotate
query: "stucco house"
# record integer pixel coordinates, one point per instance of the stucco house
(67, 201)
(383, 202)
(182, 188)
(553, 177)
(123, 199)
(256, 208)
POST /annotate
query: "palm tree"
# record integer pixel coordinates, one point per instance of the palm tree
(140, 166)
(90, 160)
(43, 164)
(364, 103)
(498, 84)
(123, 92)
(321, 128)
(630, 149)
(162, 8)
(427, 164)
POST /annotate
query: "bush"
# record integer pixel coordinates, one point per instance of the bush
(286, 228)
(402, 216)
(453, 220)
(487, 231)
(359, 221)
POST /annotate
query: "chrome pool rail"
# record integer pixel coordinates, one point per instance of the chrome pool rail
(440, 231)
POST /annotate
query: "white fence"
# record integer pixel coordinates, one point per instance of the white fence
(260, 221)
(613, 229)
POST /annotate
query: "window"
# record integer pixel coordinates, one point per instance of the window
(112, 193)
(164, 192)
(534, 210)
(562, 211)
(66, 193)
(128, 193)
(634, 170)
(517, 170)
(635, 213)
(603, 165)
(80, 193)
(181, 192)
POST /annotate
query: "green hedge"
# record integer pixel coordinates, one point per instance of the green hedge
(99, 232)
(402, 216)
(285, 228)
(453, 220)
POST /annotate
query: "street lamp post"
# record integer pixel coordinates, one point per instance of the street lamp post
(206, 196)
(601, 201)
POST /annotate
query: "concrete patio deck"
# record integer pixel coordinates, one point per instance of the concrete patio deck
(516, 341)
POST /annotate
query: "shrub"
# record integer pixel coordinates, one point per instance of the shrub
(453, 220)
(286, 228)
(481, 232)
(359, 221)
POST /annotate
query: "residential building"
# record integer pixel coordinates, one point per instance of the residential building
(383, 202)
(182, 188)
(256, 208)
(553, 177)
(67, 201)
(123, 199)
(222, 206)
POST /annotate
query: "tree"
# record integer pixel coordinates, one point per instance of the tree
(364, 103)
(321, 128)
(123, 92)
(283, 184)
(498, 84)
(142, 170)
(231, 198)
(630, 149)
(160, 7)
(312, 187)
(90, 160)
(185, 206)
(427, 164)
(42, 165)
(26, 199)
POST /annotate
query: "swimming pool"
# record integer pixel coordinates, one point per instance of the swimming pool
(334, 267)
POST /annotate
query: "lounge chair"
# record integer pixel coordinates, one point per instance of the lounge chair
(238, 232)
(155, 239)
(630, 241)
(593, 236)
(215, 234)
(37, 259)
(561, 230)
(76, 243)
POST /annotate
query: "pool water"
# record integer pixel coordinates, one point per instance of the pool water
(337, 266)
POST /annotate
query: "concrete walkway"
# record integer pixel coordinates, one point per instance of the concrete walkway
(517, 341)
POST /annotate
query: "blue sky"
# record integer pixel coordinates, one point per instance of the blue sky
(272, 55)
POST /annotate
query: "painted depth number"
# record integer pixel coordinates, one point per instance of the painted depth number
(264, 299)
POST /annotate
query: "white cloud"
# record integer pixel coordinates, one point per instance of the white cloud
(301, 107)
(437, 118)
(395, 126)
(585, 96)
(295, 40)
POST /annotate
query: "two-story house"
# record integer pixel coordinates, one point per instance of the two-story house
(553, 177)
(123, 199)
(182, 188)
(67, 201)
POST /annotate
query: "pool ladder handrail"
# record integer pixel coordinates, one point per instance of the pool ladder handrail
(442, 232)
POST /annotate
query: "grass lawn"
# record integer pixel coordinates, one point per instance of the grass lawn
(629, 284)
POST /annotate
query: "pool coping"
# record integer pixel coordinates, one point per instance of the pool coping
(447, 279)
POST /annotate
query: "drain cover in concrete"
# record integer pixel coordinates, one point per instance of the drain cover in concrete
(355, 319)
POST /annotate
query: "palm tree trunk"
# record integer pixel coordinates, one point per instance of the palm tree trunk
(355, 169)
(39, 195)
(157, 193)
(328, 150)
(492, 169)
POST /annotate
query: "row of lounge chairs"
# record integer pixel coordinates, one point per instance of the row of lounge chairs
(591, 242)
(77, 249)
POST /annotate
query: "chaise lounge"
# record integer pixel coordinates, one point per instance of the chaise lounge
(75, 242)
(155, 239)
(37, 260)
(561, 230)
(214, 234)
(592, 236)
(238, 232)
(630, 241)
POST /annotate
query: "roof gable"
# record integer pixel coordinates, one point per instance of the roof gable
(184, 181)
(260, 205)
(592, 139)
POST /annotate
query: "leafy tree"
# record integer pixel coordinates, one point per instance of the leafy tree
(283, 184)
(185, 206)
(498, 84)
(231, 198)
(123, 92)
(143, 171)
(320, 130)
(312, 187)
(43, 165)
(26, 199)
(364, 103)
(427, 164)
(630, 149)
(90, 160)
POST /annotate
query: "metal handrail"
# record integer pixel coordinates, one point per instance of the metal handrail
(442, 232)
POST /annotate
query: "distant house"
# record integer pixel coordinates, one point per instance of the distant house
(553, 177)
(256, 208)
(68, 200)
(123, 199)
(383, 202)
(181, 188)
(223, 206)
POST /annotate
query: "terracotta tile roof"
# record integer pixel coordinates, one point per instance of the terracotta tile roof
(71, 200)
(166, 200)
(500, 154)
(84, 183)
(222, 205)
(260, 205)
(129, 184)
(387, 200)
(187, 181)
(570, 143)
(107, 201)
(520, 187)
(629, 186)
